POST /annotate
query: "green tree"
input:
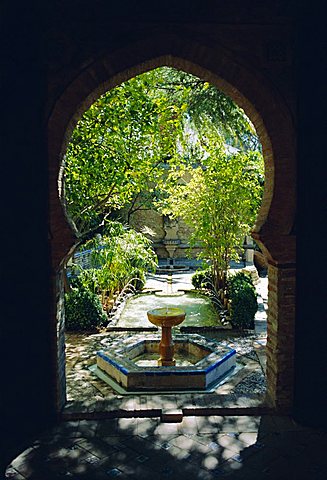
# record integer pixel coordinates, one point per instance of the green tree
(127, 141)
(218, 198)
(203, 101)
(115, 152)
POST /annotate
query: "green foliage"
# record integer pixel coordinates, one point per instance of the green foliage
(202, 278)
(124, 144)
(162, 140)
(201, 100)
(218, 198)
(116, 151)
(243, 298)
(240, 277)
(120, 256)
(83, 310)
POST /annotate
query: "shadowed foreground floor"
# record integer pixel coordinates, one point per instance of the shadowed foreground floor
(243, 447)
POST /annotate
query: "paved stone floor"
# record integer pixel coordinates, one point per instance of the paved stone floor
(203, 447)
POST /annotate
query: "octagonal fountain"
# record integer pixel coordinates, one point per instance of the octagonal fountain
(183, 363)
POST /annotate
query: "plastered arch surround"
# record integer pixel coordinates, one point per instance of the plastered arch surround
(249, 90)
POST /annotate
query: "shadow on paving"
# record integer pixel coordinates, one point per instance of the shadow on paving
(199, 447)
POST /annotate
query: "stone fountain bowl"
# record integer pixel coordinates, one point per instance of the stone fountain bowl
(166, 316)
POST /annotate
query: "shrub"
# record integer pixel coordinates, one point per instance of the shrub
(115, 261)
(202, 278)
(243, 298)
(83, 310)
(239, 278)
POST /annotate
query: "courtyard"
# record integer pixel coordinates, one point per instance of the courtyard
(87, 394)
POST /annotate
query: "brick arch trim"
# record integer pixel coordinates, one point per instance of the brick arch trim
(249, 89)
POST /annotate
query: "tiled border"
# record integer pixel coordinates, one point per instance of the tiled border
(134, 377)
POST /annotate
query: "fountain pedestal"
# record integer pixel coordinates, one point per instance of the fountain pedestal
(166, 348)
(166, 318)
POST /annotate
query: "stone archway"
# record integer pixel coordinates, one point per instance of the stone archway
(274, 227)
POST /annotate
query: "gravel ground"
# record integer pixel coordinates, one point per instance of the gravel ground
(253, 383)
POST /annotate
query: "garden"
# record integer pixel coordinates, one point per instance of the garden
(169, 142)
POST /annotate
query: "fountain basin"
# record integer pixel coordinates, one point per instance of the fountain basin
(209, 363)
(166, 316)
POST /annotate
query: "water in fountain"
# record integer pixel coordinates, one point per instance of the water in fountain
(182, 358)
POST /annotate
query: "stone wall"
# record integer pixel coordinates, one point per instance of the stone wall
(148, 222)
(280, 330)
(154, 226)
(60, 342)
